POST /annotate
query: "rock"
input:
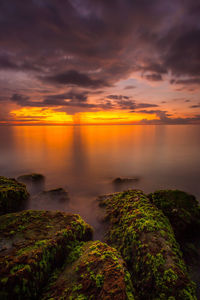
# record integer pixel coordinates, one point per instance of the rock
(34, 182)
(121, 180)
(34, 177)
(93, 270)
(33, 244)
(183, 212)
(146, 241)
(13, 195)
(182, 209)
(58, 194)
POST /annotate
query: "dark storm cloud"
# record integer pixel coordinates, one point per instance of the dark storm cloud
(165, 118)
(144, 111)
(195, 106)
(154, 77)
(117, 97)
(20, 99)
(73, 77)
(189, 81)
(183, 56)
(94, 44)
(125, 103)
(86, 35)
(71, 98)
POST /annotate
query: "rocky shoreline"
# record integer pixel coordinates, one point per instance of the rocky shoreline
(151, 248)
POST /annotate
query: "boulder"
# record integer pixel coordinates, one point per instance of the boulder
(182, 209)
(34, 182)
(33, 177)
(121, 180)
(145, 238)
(93, 270)
(32, 245)
(58, 194)
(13, 195)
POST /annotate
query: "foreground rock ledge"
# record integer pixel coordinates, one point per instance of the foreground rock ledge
(32, 244)
(93, 271)
(146, 241)
(13, 195)
(182, 209)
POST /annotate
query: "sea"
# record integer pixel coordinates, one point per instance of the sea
(86, 160)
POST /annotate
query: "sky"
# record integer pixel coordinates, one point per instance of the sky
(99, 62)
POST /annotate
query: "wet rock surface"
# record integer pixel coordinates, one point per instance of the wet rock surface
(34, 177)
(58, 194)
(93, 271)
(122, 180)
(182, 210)
(13, 195)
(33, 244)
(147, 243)
(34, 182)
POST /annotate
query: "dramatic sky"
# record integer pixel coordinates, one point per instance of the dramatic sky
(99, 61)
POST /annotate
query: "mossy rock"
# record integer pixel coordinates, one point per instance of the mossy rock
(13, 195)
(32, 244)
(121, 180)
(93, 271)
(58, 194)
(146, 241)
(182, 210)
(33, 177)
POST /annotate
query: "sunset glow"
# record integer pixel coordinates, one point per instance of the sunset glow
(142, 71)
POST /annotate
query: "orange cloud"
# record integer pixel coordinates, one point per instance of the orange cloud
(50, 116)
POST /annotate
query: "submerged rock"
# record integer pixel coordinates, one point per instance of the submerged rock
(34, 182)
(93, 271)
(121, 180)
(34, 177)
(146, 241)
(13, 195)
(55, 194)
(32, 245)
(182, 209)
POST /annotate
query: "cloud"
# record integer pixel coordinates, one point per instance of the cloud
(195, 106)
(93, 45)
(189, 81)
(73, 77)
(117, 97)
(165, 118)
(129, 87)
(154, 77)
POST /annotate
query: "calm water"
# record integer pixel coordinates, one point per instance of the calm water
(84, 160)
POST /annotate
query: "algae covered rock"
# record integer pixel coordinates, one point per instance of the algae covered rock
(146, 241)
(58, 194)
(93, 271)
(181, 208)
(13, 195)
(34, 182)
(32, 244)
(34, 177)
(121, 180)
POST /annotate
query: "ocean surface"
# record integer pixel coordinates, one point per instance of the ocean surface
(84, 160)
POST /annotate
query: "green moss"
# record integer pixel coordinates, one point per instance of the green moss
(146, 241)
(12, 195)
(35, 250)
(181, 208)
(96, 272)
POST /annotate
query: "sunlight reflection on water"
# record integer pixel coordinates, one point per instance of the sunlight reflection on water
(85, 159)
